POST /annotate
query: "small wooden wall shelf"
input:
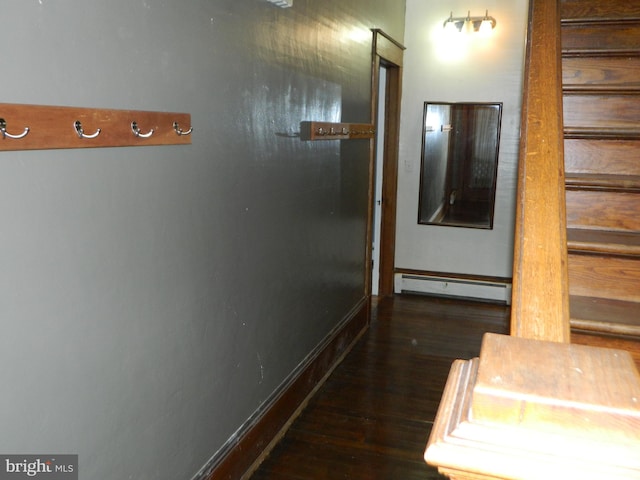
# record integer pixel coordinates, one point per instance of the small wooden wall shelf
(38, 127)
(335, 131)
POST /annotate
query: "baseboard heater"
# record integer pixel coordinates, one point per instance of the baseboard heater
(442, 285)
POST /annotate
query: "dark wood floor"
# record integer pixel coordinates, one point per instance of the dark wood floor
(372, 417)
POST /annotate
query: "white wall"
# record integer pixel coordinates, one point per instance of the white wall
(466, 68)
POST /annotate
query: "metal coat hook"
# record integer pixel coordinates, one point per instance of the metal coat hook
(78, 126)
(179, 131)
(136, 131)
(5, 134)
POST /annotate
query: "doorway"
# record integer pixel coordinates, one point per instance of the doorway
(378, 176)
(383, 171)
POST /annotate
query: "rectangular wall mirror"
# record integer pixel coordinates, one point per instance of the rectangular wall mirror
(459, 164)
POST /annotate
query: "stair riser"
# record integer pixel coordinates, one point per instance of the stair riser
(618, 72)
(603, 210)
(604, 277)
(599, 9)
(598, 37)
(602, 111)
(613, 157)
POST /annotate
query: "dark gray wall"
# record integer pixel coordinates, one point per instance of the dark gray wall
(152, 298)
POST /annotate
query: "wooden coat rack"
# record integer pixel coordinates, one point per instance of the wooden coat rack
(38, 127)
(335, 131)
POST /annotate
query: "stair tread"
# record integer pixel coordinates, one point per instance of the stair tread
(600, 89)
(603, 241)
(602, 181)
(605, 315)
(600, 52)
(601, 133)
(600, 21)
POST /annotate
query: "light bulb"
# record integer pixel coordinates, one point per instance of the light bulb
(485, 27)
(450, 27)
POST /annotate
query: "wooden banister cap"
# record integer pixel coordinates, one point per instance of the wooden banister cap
(545, 384)
(529, 409)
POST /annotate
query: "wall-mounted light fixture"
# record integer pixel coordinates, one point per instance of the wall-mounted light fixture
(282, 3)
(477, 24)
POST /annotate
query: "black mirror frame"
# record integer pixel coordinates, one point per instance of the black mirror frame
(494, 139)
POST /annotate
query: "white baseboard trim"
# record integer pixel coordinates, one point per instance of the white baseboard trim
(453, 287)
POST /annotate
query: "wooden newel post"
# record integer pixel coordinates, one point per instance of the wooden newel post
(536, 410)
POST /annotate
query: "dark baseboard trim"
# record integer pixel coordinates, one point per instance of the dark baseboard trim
(249, 447)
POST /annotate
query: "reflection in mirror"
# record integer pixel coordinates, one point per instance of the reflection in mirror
(459, 164)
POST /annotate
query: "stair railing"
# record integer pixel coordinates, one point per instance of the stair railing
(540, 299)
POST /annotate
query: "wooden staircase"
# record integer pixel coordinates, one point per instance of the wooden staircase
(601, 100)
